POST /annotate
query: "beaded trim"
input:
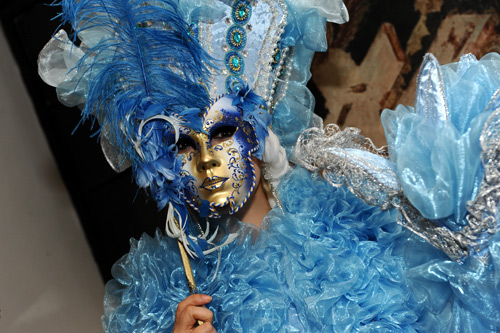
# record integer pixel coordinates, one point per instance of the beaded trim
(242, 11)
(234, 63)
(268, 74)
(248, 47)
(236, 37)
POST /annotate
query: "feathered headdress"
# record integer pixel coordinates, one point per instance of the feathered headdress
(143, 68)
(140, 71)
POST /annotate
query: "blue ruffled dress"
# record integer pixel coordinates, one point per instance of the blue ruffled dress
(325, 264)
(328, 263)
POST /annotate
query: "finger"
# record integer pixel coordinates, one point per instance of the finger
(205, 328)
(190, 311)
(190, 316)
(195, 299)
(200, 313)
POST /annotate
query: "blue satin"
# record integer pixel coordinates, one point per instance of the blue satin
(435, 145)
(463, 297)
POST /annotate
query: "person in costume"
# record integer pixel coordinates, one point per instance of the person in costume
(205, 100)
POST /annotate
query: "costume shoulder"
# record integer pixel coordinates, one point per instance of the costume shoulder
(445, 152)
(442, 177)
(325, 263)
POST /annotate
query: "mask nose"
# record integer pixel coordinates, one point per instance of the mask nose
(208, 158)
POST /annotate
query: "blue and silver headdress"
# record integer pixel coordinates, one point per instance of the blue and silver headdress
(145, 68)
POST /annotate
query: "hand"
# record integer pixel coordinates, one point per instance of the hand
(189, 311)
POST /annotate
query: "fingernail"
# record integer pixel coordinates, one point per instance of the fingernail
(206, 297)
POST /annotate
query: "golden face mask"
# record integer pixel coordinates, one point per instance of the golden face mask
(219, 159)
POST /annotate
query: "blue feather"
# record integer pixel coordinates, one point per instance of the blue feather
(144, 54)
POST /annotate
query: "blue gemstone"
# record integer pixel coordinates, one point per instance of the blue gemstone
(237, 37)
(233, 84)
(236, 62)
(241, 12)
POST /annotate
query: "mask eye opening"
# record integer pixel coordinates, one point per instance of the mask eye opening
(222, 133)
(185, 144)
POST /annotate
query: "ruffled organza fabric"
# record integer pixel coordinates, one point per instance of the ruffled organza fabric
(436, 145)
(333, 10)
(329, 263)
(326, 264)
(305, 34)
(464, 297)
(436, 148)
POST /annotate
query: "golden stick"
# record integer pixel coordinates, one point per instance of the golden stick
(188, 271)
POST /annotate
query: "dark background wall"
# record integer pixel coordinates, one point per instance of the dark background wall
(373, 60)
